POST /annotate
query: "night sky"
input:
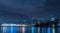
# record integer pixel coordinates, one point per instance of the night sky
(36, 8)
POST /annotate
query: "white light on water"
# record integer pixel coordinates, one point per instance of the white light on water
(23, 29)
(53, 30)
(39, 30)
(4, 29)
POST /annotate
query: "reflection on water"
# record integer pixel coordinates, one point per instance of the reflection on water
(9, 29)
(23, 29)
(42, 29)
(53, 29)
(48, 30)
(33, 29)
(14, 29)
(38, 29)
(26, 29)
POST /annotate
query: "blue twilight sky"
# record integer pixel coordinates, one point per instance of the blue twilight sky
(36, 8)
(31, 7)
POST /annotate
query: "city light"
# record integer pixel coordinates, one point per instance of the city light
(8, 24)
(14, 25)
(53, 25)
(52, 19)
